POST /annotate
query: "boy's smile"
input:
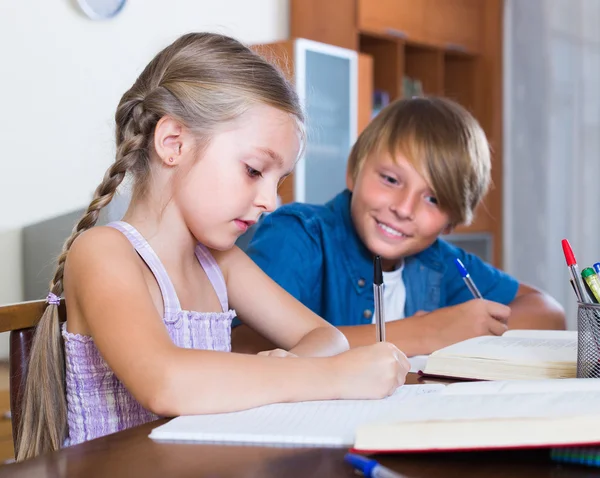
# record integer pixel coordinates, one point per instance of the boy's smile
(394, 210)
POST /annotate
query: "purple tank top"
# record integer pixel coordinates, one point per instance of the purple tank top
(97, 402)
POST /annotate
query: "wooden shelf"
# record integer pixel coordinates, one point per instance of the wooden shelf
(388, 63)
(460, 75)
(454, 24)
(427, 65)
(399, 18)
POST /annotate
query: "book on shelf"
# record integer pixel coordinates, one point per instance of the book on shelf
(411, 87)
(430, 417)
(515, 355)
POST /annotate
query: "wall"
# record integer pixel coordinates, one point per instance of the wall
(62, 77)
(552, 150)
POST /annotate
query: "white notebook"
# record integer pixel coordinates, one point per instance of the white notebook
(461, 416)
(329, 423)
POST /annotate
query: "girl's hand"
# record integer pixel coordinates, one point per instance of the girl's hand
(372, 371)
(277, 353)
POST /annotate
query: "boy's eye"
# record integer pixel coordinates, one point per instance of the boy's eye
(432, 200)
(253, 173)
(389, 179)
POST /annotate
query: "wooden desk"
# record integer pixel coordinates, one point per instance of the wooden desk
(131, 454)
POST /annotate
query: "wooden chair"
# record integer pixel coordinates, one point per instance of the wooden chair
(20, 320)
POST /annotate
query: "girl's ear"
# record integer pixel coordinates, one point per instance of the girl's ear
(169, 141)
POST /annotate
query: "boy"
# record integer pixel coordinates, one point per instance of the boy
(418, 170)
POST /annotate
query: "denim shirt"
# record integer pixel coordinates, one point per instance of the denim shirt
(314, 252)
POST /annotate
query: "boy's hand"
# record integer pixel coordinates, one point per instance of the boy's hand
(464, 321)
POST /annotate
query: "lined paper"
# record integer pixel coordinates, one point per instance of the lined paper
(319, 423)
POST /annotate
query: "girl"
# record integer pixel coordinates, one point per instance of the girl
(207, 132)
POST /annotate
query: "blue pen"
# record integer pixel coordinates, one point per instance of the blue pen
(597, 267)
(467, 278)
(370, 468)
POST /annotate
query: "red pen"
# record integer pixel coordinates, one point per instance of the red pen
(574, 271)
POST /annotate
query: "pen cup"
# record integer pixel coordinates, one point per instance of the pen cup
(588, 345)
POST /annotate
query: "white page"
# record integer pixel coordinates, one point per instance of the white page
(329, 422)
(417, 362)
(523, 386)
(443, 407)
(542, 334)
(515, 349)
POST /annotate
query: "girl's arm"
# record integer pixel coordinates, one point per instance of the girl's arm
(107, 295)
(272, 312)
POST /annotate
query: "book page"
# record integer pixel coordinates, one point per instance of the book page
(482, 421)
(447, 407)
(523, 386)
(325, 423)
(542, 334)
(514, 349)
(417, 362)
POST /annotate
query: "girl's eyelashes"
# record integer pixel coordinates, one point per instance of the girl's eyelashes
(432, 200)
(253, 173)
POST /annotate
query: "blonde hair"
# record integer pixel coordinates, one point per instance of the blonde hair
(202, 80)
(442, 140)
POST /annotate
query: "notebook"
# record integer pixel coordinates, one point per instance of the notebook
(432, 417)
(516, 355)
(330, 423)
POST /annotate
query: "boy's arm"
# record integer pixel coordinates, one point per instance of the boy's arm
(425, 332)
(534, 309)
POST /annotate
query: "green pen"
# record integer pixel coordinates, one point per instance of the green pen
(592, 280)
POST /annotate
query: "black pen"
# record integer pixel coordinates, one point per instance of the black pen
(378, 295)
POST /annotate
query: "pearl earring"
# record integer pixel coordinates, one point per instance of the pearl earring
(171, 160)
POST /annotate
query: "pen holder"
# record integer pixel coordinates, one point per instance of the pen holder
(588, 345)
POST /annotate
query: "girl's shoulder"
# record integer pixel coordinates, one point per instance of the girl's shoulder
(98, 249)
(100, 240)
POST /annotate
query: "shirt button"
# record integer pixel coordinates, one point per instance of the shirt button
(367, 314)
(361, 282)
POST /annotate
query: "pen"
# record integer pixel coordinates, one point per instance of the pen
(370, 468)
(378, 295)
(467, 278)
(574, 271)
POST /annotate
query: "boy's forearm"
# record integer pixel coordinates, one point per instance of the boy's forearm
(536, 310)
(407, 334)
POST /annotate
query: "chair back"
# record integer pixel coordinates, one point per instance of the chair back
(20, 320)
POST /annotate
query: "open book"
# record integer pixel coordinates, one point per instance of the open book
(461, 416)
(516, 355)
(491, 415)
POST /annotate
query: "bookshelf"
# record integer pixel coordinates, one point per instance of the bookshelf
(442, 47)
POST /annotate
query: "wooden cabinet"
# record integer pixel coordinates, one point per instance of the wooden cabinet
(326, 80)
(454, 24)
(365, 91)
(327, 21)
(401, 18)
